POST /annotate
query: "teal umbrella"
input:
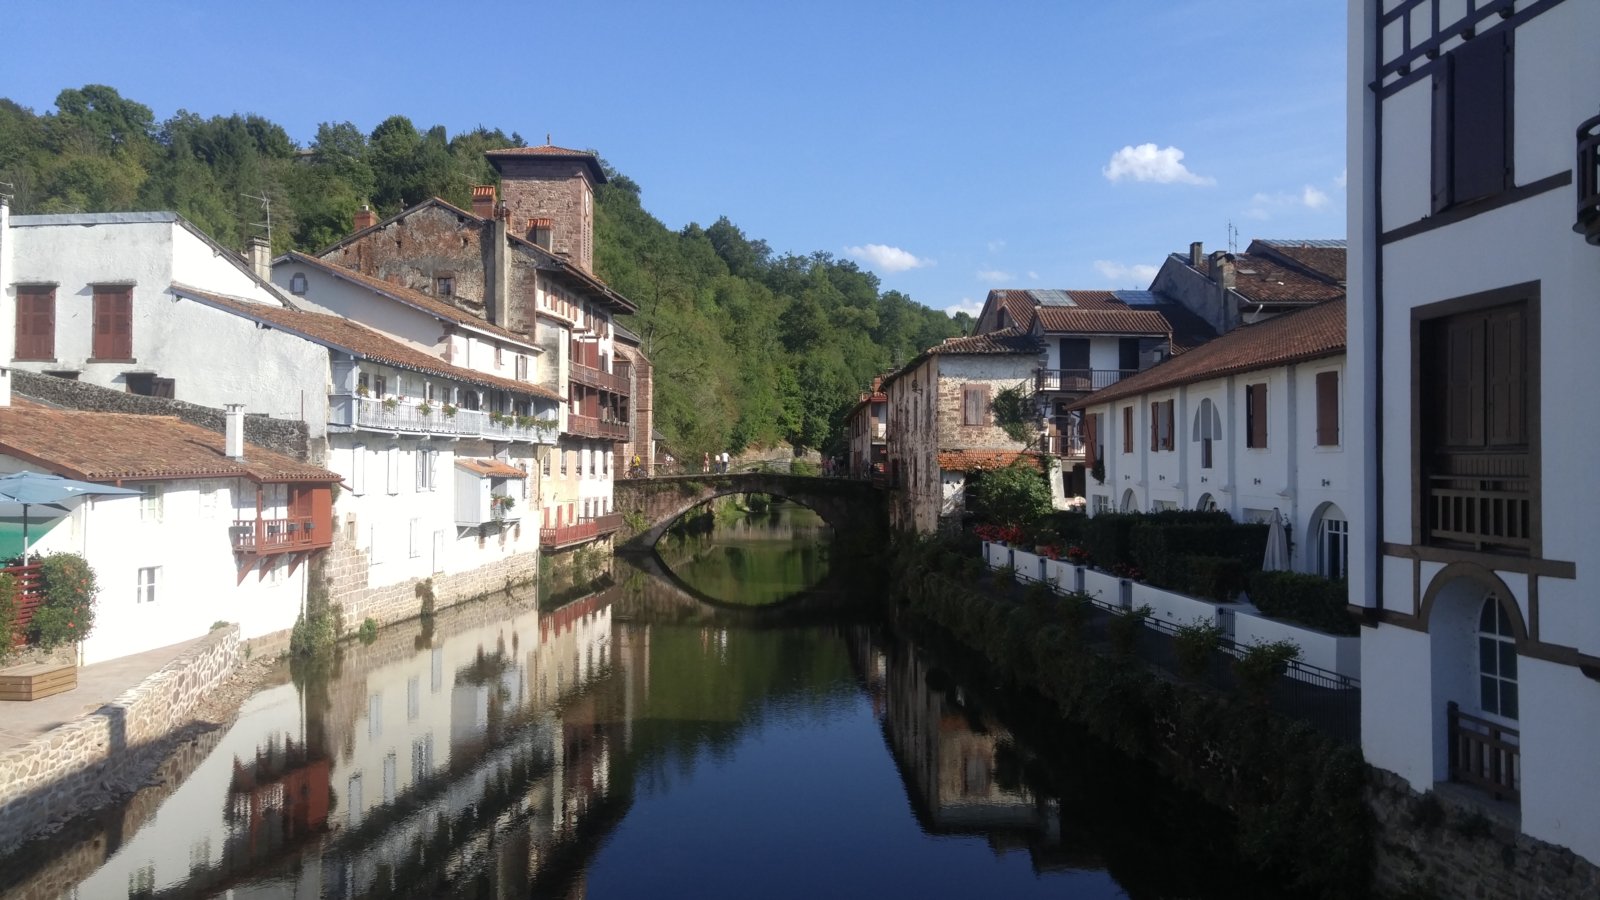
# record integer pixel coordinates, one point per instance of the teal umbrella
(52, 492)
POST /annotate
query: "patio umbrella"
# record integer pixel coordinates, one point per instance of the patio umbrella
(52, 492)
(1276, 558)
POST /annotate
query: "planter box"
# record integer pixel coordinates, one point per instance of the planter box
(996, 554)
(1334, 652)
(1063, 575)
(1105, 586)
(1030, 566)
(1182, 609)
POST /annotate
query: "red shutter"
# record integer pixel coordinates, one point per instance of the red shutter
(1091, 435)
(1127, 429)
(1172, 434)
(36, 323)
(1327, 409)
(113, 323)
(1256, 413)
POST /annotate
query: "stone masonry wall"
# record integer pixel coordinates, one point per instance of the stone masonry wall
(347, 570)
(1440, 845)
(281, 435)
(80, 765)
(555, 189)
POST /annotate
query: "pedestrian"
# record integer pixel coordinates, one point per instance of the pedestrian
(724, 462)
(705, 463)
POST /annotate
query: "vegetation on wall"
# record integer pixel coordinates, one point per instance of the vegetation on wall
(751, 347)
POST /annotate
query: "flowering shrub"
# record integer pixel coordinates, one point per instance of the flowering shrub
(67, 614)
(1077, 555)
(1126, 570)
(1008, 534)
(1049, 551)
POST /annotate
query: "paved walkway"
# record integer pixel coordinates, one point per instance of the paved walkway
(99, 684)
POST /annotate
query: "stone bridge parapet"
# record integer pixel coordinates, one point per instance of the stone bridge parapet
(651, 505)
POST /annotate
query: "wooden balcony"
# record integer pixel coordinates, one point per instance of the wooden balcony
(1078, 381)
(597, 378)
(1488, 513)
(589, 426)
(1485, 754)
(1588, 178)
(558, 536)
(29, 586)
(267, 536)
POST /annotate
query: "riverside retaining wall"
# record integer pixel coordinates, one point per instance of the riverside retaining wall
(86, 763)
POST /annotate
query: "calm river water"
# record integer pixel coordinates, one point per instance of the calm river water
(643, 742)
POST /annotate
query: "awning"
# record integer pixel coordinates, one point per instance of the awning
(490, 468)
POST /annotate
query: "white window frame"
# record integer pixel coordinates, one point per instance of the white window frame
(148, 588)
(415, 534)
(358, 469)
(151, 504)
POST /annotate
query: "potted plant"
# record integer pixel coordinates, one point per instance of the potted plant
(361, 391)
(390, 403)
(449, 411)
(497, 417)
(425, 408)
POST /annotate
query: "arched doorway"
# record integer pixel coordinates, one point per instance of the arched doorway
(1207, 503)
(1130, 501)
(1329, 553)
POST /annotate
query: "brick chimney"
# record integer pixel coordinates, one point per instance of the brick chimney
(365, 218)
(259, 253)
(1222, 269)
(483, 201)
(1197, 254)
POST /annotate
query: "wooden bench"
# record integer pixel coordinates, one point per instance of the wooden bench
(36, 681)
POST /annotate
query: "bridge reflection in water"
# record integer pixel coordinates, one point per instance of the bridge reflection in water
(638, 741)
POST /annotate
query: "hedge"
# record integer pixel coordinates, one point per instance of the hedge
(1310, 600)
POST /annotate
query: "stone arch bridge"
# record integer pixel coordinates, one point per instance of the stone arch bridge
(651, 505)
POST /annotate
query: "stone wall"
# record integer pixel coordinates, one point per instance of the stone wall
(1444, 844)
(556, 189)
(282, 435)
(348, 572)
(88, 762)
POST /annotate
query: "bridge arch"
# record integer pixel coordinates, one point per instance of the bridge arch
(651, 505)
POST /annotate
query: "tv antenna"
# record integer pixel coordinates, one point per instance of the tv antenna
(266, 210)
(1233, 238)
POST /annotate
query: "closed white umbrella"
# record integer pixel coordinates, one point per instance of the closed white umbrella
(1276, 559)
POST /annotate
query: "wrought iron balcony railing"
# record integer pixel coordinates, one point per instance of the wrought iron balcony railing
(1079, 381)
(1588, 178)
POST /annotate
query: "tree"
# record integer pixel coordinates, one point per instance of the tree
(1015, 495)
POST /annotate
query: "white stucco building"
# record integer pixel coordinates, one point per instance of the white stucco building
(1472, 331)
(1251, 423)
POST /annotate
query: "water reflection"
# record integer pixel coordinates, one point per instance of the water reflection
(621, 746)
(758, 557)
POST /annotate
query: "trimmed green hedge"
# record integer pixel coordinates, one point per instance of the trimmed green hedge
(1310, 600)
(1218, 578)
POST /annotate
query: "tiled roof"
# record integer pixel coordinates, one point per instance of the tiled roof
(975, 460)
(1293, 337)
(415, 299)
(1018, 306)
(96, 446)
(1116, 320)
(1006, 340)
(1262, 279)
(549, 151)
(360, 340)
(489, 468)
(1325, 258)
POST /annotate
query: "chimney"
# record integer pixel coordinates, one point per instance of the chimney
(233, 432)
(259, 252)
(1222, 269)
(8, 320)
(542, 231)
(365, 218)
(483, 201)
(499, 287)
(1197, 254)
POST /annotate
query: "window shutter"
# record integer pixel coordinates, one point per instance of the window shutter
(36, 323)
(968, 396)
(1464, 382)
(1442, 133)
(1127, 429)
(1090, 439)
(1508, 392)
(1327, 409)
(985, 414)
(1171, 425)
(1478, 121)
(1155, 428)
(1256, 402)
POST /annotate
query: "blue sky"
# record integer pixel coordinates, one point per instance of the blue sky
(949, 147)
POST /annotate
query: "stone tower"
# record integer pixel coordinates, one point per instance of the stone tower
(549, 196)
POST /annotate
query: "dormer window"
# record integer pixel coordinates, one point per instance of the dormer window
(297, 284)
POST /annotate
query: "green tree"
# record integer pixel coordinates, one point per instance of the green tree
(1015, 495)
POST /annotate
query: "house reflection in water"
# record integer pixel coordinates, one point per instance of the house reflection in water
(276, 801)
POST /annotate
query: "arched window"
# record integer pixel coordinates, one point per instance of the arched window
(1497, 660)
(1207, 502)
(1333, 542)
(1130, 501)
(1207, 428)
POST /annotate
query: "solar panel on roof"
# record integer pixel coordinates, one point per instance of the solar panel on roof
(1137, 298)
(1052, 298)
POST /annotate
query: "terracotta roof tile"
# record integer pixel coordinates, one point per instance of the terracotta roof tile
(1262, 279)
(1006, 340)
(360, 340)
(1320, 258)
(1293, 337)
(490, 468)
(416, 299)
(96, 446)
(1017, 305)
(976, 460)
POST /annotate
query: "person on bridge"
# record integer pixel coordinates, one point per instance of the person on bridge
(705, 463)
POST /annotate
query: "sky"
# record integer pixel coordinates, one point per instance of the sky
(949, 147)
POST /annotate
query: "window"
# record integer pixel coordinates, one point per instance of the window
(1102, 503)
(356, 807)
(1161, 425)
(36, 322)
(415, 536)
(544, 463)
(1472, 121)
(113, 322)
(358, 469)
(147, 385)
(1327, 409)
(392, 457)
(499, 356)
(444, 286)
(391, 777)
(1255, 416)
(297, 283)
(149, 581)
(1127, 429)
(1207, 428)
(975, 404)
(1497, 660)
(564, 454)
(427, 466)
(1335, 541)
(522, 367)
(208, 502)
(150, 505)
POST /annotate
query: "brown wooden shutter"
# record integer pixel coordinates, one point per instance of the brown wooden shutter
(1256, 401)
(1507, 379)
(113, 323)
(1327, 409)
(1441, 134)
(1464, 382)
(1172, 433)
(36, 323)
(985, 414)
(1155, 426)
(1478, 117)
(1127, 429)
(1091, 437)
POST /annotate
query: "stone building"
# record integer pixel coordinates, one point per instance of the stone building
(941, 427)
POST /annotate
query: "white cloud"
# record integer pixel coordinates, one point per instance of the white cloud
(996, 245)
(1313, 197)
(1139, 273)
(967, 305)
(1032, 275)
(886, 258)
(1146, 162)
(1263, 205)
(1343, 177)
(995, 276)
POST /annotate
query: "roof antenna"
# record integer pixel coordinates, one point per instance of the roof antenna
(547, 141)
(1233, 238)
(266, 206)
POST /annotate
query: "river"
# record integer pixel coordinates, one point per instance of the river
(741, 728)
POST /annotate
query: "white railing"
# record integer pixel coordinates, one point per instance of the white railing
(372, 414)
